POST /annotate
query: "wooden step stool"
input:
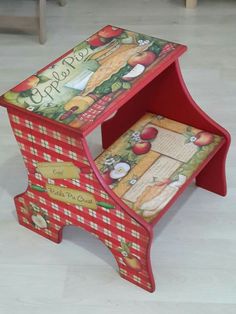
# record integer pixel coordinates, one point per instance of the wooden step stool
(156, 141)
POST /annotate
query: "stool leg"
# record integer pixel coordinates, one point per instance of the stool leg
(62, 2)
(136, 268)
(133, 258)
(31, 216)
(42, 20)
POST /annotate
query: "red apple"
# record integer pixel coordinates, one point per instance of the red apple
(96, 41)
(203, 138)
(148, 133)
(145, 58)
(107, 178)
(141, 148)
(110, 32)
(26, 84)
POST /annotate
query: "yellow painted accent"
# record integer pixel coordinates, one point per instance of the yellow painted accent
(172, 125)
(58, 170)
(82, 102)
(137, 171)
(71, 196)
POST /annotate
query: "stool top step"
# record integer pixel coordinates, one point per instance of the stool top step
(90, 82)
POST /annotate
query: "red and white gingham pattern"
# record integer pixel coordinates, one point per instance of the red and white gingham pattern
(40, 142)
(167, 48)
(91, 114)
(96, 109)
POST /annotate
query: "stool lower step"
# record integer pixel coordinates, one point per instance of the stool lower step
(154, 160)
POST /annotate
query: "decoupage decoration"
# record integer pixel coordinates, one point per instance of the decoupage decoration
(58, 170)
(150, 162)
(156, 141)
(76, 89)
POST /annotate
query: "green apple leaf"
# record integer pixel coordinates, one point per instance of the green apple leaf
(43, 78)
(116, 86)
(126, 85)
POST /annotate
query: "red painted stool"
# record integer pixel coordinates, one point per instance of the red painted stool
(156, 141)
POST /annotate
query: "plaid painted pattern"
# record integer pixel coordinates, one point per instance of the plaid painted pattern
(94, 111)
(167, 48)
(39, 142)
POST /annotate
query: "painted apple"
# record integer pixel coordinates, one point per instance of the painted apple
(110, 32)
(15, 98)
(203, 138)
(26, 84)
(39, 221)
(148, 133)
(135, 72)
(141, 148)
(120, 170)
(130, 260)
(96, 41)
(145, 58)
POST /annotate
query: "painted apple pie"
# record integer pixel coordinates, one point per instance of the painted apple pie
(112, 65)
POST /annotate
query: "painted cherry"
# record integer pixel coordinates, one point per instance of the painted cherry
(141, 148)
(149, 133)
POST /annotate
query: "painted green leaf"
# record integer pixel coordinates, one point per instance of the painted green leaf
(37, 188)
(43, 78)
(123, 35)
(116, 86)
(155, 48)
(105, 205)
(26, 93)
(82, 45)
(126, 85)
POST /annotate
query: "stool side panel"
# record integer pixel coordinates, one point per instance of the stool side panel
(180, 106)
(42, 146)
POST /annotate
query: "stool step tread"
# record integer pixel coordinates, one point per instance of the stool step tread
(152, 162)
